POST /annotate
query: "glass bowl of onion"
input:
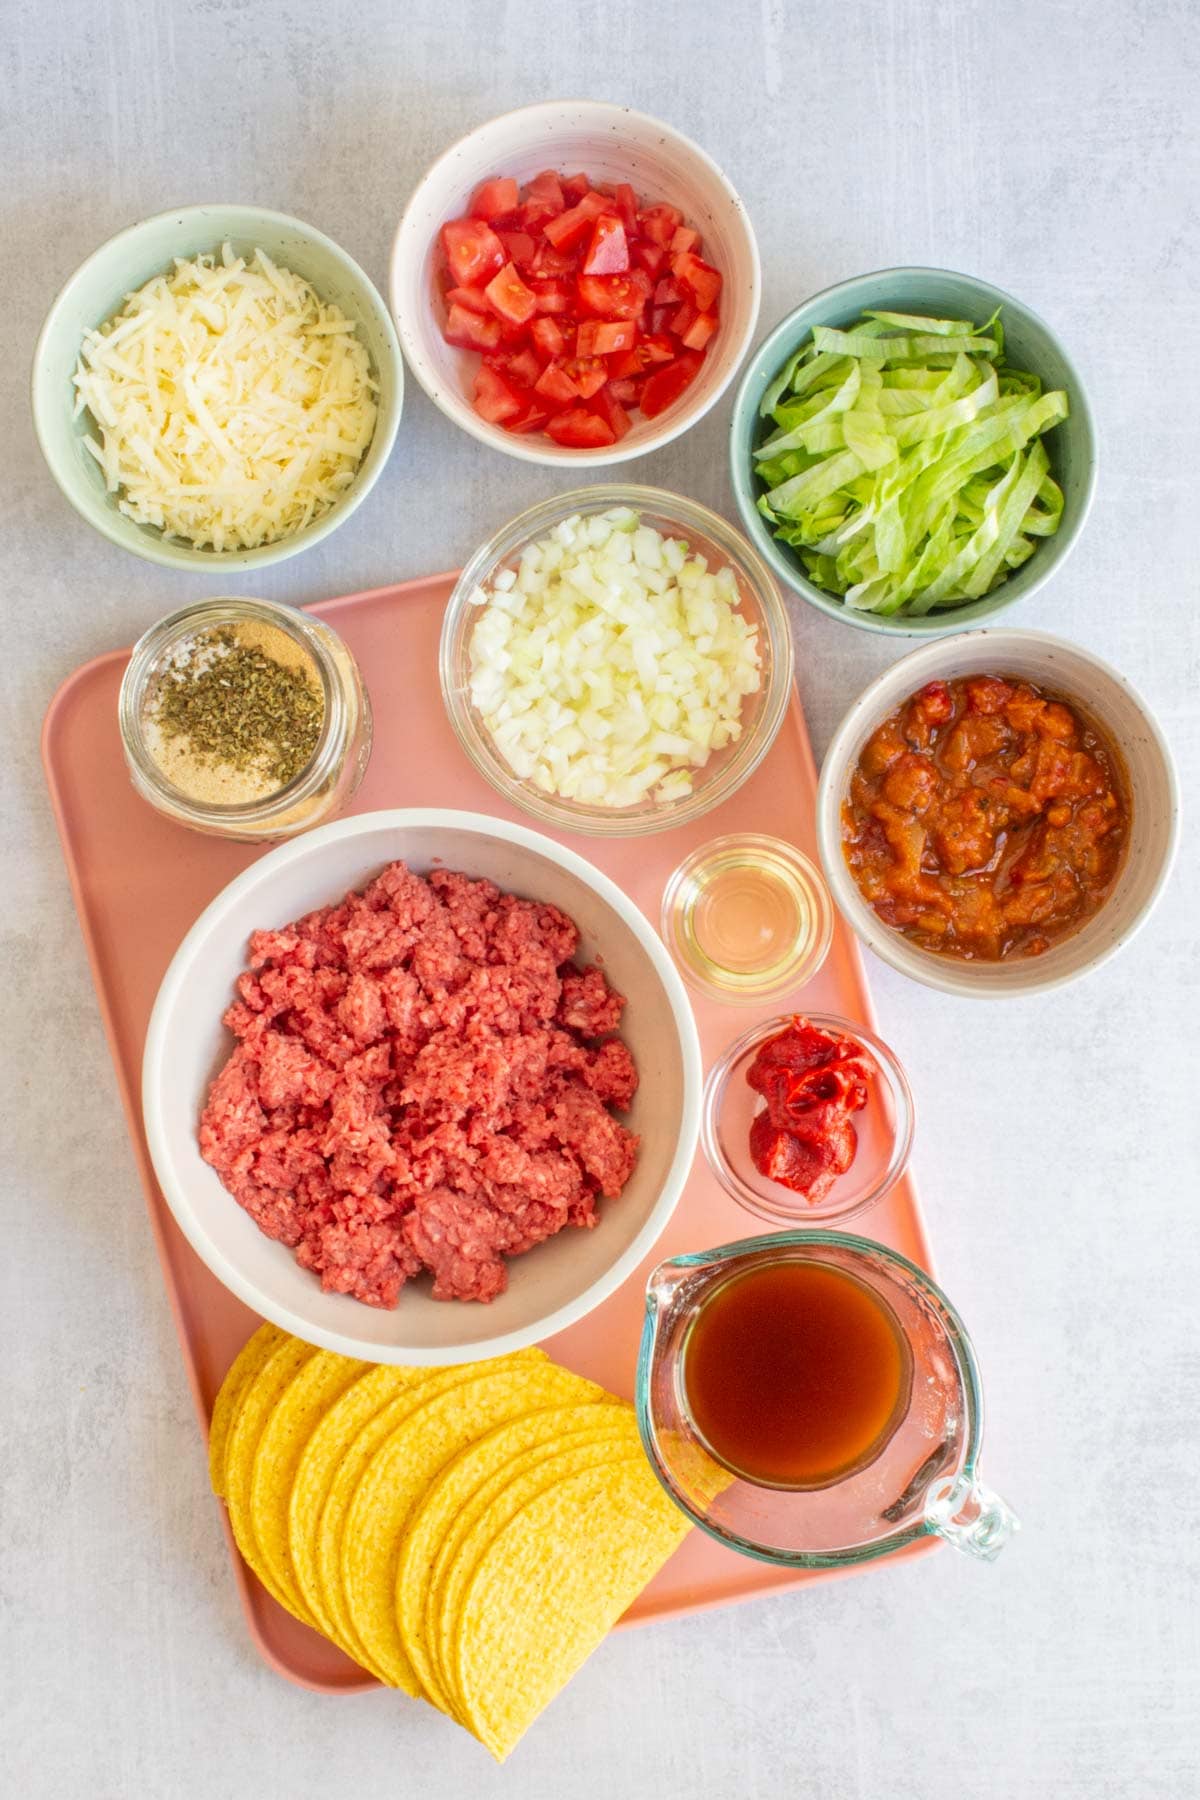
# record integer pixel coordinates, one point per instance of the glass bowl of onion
(616, 660)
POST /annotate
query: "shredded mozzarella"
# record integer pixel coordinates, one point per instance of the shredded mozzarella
(611, 663)
(233, 404)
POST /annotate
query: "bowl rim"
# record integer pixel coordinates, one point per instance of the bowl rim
(183, 556)
(778, 344)
(549, 810)
(539, 450)
(946, 975)
(156, 1053)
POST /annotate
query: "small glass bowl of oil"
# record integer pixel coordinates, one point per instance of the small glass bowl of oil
(746, 917)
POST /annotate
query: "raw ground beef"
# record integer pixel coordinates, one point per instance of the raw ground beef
(423, 1080)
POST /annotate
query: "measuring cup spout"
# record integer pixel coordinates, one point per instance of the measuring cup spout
(665, 1281)
(971, 1517)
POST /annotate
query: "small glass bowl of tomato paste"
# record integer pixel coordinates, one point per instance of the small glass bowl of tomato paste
(735, 1130)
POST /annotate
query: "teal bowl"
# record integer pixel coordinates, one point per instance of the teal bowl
(1029, 344)
(97, 290)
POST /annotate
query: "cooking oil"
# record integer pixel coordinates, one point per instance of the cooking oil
(747, 916)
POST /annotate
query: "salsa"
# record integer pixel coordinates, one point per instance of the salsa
(812, 1081)
(985, 819)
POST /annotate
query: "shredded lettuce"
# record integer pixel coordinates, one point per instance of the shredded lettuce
(906, 464)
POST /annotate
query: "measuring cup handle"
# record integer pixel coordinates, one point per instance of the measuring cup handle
(971, 1517)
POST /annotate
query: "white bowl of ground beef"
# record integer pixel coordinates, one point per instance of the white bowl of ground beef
(405, 1132)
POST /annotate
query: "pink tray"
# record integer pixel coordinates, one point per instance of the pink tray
(140, 881)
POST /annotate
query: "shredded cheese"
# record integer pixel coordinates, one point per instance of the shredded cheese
(233, 405)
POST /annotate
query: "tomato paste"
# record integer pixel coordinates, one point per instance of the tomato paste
(812, 1081)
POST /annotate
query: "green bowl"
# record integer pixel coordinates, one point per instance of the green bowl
(124, 263)
(1029, 344)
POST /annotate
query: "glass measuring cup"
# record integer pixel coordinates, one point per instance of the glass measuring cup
(921, 1482)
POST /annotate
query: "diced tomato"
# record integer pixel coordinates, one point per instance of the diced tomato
(556, 386)
(659, 223)
(615, 296)
(608, 252)
(582, 306)
(532, 417)
(626, 201)
(520, 366)
(604, 337)
(668, 382)
(470, 330)
(607, 407)
(495, 398)
(648, 256)
(588, 373)
(494, 199)
(519, 247)
(702, 281)
(553, 296)
(473, 251)
(531, 217)
(699, 331)
(657, 348)
(509, 298)
(581, 430)
(549, 262)
(547, 337)
(546, 191)
(572, 225)
(646, 354)
(474, 299)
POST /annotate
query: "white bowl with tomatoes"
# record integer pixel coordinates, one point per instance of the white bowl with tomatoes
(575, 282)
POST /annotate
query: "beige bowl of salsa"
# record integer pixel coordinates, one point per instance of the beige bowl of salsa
(1115, 828)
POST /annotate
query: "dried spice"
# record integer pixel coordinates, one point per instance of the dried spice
(237, 707)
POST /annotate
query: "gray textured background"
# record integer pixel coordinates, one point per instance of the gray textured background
(1044, 144)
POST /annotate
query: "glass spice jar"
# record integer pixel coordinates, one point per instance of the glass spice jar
(278, 707)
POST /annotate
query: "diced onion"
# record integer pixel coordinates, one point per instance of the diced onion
(233, 404)
(612, 663)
